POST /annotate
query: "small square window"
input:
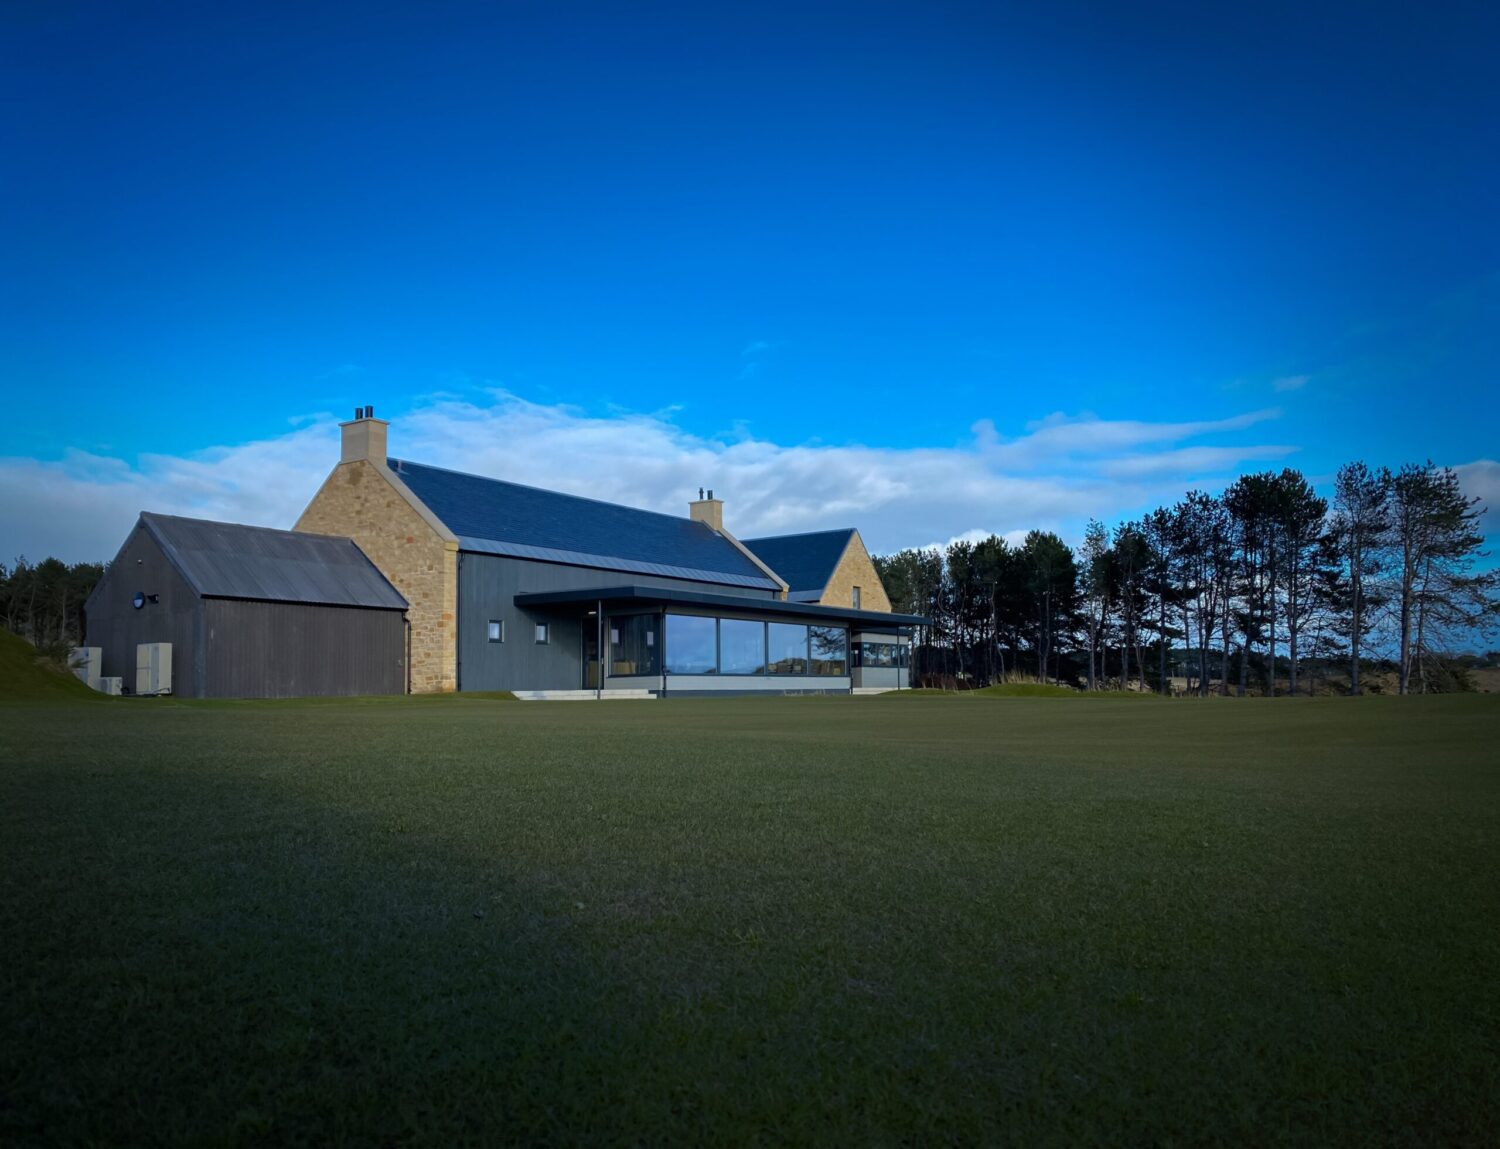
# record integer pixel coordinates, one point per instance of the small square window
(497, 630)
(541, 633)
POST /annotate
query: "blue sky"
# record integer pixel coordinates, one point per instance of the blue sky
(925, 269)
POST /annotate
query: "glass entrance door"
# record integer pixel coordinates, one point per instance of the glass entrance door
(591, 653)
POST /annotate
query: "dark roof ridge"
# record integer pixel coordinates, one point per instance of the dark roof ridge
(804, 534)
(247, 526)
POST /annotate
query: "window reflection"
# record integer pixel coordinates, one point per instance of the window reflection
(696, 644)
(691, 645)
(787, 652)
(830, 649)
(742, 646)
(873, 655)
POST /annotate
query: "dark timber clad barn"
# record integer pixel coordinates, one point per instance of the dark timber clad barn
(250, 612)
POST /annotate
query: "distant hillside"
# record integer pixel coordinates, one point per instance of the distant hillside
(25, 677)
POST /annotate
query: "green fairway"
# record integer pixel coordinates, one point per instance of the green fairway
(863, 920)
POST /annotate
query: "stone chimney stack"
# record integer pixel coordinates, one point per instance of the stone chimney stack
(363, 437)
(707, 510)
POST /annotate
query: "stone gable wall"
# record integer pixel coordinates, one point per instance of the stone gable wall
(856, 570)
(359, 501)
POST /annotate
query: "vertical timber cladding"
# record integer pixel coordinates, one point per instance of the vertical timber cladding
(117, 627)
(298, 650)
(363, 500)
(488, 586)
(856, 570)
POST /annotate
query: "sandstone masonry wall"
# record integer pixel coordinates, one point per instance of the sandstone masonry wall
(359, 501)
(856, 570)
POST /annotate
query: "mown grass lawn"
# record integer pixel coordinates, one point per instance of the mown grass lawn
(868, 921)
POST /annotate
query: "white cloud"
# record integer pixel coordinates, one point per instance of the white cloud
(752, 354)
(976, 535)
(1063, 470)
(1190, 460)
(1061, 436)
(1481, 480)
(1290, 382)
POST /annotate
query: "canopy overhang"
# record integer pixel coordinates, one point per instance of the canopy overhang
(614, 597)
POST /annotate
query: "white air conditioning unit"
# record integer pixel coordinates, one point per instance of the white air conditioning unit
(153, 668)
(109, 685)
(86, 664)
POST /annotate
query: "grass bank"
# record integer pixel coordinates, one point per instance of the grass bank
(25, 676)
(766, 921)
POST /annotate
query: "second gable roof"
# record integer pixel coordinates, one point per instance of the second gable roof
(806, 561)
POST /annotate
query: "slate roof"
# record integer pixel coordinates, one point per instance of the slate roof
(230, 560)
(806, 562)
(493, 516)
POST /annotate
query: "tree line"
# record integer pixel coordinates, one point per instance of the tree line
(43, 602)
(1264, 580)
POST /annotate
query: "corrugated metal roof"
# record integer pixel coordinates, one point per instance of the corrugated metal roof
(492, 516)
(806, 561)
(231, 560)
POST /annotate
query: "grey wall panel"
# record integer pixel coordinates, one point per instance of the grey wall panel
(295, 650)
(487, 587)
(116, 627)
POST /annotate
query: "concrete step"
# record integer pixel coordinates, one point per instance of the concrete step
(874, 689)
(583, 695)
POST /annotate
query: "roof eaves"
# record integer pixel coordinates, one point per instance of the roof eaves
(403, 606)
(608, 562)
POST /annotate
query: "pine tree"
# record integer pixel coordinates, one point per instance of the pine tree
(1301, 513)
(1360, 530)
(1436, 538)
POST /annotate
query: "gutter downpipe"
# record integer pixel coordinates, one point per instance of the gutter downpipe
(599, 650)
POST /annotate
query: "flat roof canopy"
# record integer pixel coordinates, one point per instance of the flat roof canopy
(614, 596)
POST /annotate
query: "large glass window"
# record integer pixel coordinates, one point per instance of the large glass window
(875, 655)
(633, 645)
(742, 646)
(691, 646)
(788, 649)
(830, 650)
(699, 645)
